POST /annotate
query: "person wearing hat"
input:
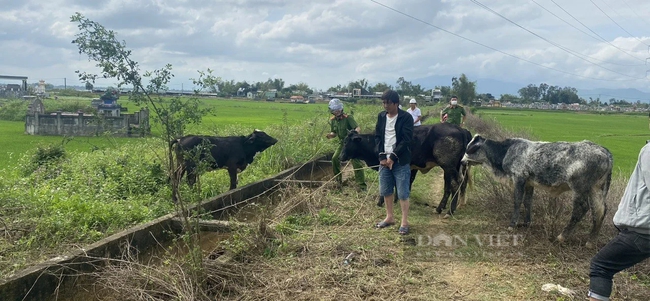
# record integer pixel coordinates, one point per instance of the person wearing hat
(415, 112)
(340, 125)
(453, 113)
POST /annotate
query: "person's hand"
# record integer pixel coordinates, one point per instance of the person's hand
(383, 162)
(331, 135)
(389, 163)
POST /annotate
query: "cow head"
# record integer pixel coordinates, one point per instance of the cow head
(352, 146)
(475, 154)
(260, 140)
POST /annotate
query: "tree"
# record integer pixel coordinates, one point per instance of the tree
(530, 93)
(464, 89)
(509, 98)
(380, 87)
(543, 88)
(111, 94)
(359, 84)
(173, 115)
(89, 86)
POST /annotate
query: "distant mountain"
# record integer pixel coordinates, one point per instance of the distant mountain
(630, 94)
(497, 88)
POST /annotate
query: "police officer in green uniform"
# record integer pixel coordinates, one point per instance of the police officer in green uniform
(453, 113)
(340, 125)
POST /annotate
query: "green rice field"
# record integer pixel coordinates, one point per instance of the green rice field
(622, 134)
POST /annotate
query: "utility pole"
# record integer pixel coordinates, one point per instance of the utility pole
(65, 83)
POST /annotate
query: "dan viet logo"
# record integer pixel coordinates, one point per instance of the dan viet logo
(485, 245)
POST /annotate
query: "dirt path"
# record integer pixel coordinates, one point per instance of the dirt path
(297, 251)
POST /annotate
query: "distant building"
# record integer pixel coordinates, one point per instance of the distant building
(271, 94)
(297, 98)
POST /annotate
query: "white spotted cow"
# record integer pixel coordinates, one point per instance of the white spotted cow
(584, 168)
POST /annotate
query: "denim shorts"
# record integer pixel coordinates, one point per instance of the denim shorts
(399, 176)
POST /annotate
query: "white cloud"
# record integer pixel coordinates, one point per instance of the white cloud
(325, 43)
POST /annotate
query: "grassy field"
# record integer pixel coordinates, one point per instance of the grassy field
(91, 195)
(623, 135)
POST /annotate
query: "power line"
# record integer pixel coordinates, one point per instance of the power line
(593, 37)
(601, 10)
(567, 50)
(633, 11)
(489, 47)
(616, 12)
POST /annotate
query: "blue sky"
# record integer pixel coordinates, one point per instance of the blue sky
(324, 42)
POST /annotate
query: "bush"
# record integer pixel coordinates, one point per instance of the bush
(13, 110)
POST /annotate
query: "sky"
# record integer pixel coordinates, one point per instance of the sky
(579, 43)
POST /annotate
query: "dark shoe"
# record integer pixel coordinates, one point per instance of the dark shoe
(383, 224)
(404, 230)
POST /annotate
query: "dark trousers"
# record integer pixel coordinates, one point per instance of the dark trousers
(623, 251)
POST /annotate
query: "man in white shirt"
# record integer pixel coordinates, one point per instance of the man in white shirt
(393, 135)
(415, 112)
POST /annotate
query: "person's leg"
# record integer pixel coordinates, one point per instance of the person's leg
(359, 175)
(623, 251)
(402, 181)
(386, 186)
(336, 163)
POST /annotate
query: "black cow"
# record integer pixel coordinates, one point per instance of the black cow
(233, 153)
(441, 144)
(584, 168)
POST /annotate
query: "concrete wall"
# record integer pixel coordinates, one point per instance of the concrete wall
(136, 124)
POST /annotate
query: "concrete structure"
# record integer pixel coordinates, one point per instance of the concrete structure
(70, 274)
(80, 124)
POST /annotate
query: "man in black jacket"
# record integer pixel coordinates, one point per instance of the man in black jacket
(393, 135)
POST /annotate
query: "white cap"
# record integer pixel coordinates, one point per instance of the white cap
(413, 100)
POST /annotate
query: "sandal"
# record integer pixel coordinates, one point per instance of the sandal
(403, 230)
(383, 224)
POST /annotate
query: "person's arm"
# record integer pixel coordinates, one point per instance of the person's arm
(379, 138)
(464, 116)
(404, 141)
(442, 112)
(331, 134)
(353, 124)
(419, 116)
(644, 164)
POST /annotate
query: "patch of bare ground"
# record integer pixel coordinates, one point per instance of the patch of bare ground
(299, 242)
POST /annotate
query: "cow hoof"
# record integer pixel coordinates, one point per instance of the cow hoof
(438, 210)
(446, 216)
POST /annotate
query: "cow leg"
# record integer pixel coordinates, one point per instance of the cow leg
(447, 191)
(414, 172)
(520, 186)
(598, 206)
(232, 172)
(528, 202)
(455, 190)
(580, 208)
(191, 175)
(464, 174)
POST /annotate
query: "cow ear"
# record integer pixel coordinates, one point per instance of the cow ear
(356, 138)
(475, 144)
